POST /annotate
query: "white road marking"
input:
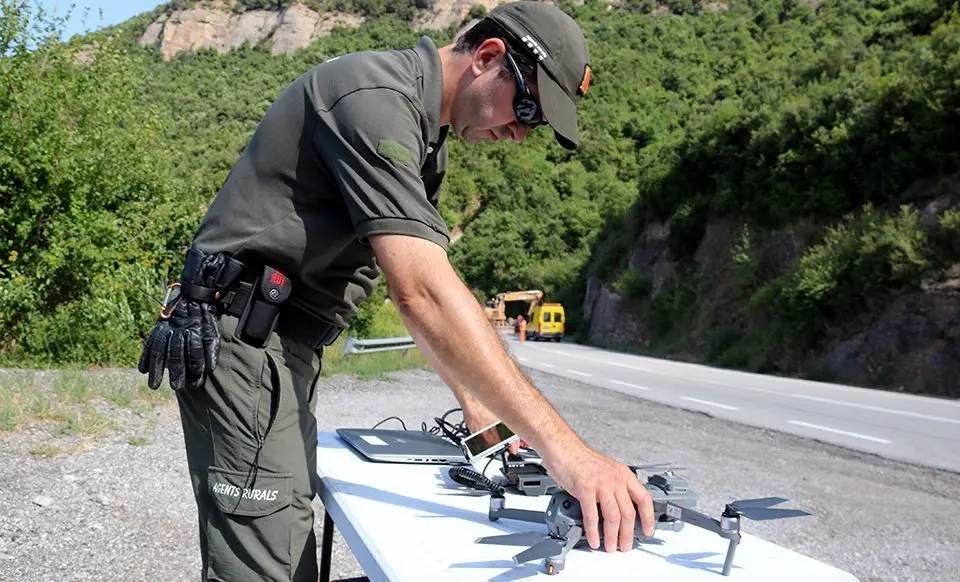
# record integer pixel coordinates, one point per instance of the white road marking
(596, 361)
(547, 365)
(628, 385)
(708, 403)
(878, 409)
(579, 373)
(522, 359)
(843, 432)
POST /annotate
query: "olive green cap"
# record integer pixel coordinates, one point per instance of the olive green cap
(563, 69)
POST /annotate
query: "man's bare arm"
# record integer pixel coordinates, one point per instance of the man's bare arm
(475, 415)
(460, 390)
(442, 314)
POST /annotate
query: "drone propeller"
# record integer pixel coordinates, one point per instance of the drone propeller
(547, 548)
(656, 467)
(763, 502)
(515, 539)
(763, 510)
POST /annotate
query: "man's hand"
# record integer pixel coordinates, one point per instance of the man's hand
(595, 479)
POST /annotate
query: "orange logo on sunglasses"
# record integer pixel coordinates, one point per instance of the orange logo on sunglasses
(585, 82)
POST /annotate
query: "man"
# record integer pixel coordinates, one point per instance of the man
(338, 185)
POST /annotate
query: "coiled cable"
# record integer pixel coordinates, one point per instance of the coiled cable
(470, 477)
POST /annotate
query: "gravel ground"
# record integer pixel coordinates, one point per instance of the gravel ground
(104, 509)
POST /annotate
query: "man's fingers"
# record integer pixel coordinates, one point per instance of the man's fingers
(641, 497)
(591, 518)
(611, 520)
(628, 517)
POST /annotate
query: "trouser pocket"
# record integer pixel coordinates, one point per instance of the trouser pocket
(249, 525)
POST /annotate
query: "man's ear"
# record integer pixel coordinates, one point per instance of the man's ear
(488, 55)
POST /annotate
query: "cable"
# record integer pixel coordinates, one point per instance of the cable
(469, 477)
(454, 432)
(398, 419)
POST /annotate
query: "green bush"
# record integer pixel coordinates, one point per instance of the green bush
(377, 317)
(633, 286)
(857, 263)
(88, 213)
(948, 235)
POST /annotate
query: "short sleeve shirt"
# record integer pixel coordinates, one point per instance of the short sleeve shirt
(350, 149)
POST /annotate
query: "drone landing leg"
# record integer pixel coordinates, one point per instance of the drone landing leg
(554, 565)
(730, 529)
(728, 563)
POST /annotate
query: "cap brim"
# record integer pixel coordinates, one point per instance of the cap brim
(559, 109)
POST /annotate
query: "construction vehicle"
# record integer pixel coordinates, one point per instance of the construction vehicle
(510, 304)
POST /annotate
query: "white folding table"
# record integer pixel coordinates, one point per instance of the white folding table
(412, 522)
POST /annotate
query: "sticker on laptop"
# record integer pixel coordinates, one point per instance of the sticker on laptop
(374, 440)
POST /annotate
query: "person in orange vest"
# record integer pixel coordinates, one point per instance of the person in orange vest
(523, 327)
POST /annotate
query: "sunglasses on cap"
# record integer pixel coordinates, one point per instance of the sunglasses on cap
(525, 106)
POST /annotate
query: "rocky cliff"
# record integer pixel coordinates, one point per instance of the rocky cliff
(910, 343)
(223, 25)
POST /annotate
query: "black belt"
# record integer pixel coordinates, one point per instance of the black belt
(294, 323)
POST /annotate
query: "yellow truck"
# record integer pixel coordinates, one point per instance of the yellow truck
(547, 321)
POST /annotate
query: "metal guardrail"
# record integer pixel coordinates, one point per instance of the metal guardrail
(362, 346)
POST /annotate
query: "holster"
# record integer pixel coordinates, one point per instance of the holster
(260, 314)
(258, 296)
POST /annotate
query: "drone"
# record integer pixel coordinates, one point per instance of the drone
(673, 506)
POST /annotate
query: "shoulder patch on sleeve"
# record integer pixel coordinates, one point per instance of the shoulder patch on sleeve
(394, 151)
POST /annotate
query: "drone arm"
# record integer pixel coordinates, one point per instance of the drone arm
(497, 510)
(687, 515)
(519, 514)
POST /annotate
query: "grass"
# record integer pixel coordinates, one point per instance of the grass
(69, 401)
(375, 366)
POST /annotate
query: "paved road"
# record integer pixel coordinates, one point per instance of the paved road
(915, 429)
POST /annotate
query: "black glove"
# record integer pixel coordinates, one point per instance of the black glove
(188, 342)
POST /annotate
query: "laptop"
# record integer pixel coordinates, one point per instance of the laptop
(402, 446)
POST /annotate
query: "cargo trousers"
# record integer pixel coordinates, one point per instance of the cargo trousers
(251, 441)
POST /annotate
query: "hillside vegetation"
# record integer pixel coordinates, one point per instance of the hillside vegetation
(833, 120)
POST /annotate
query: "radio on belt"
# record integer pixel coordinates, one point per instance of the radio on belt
(260, 315)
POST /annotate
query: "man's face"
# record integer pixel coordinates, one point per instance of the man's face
(483, 109)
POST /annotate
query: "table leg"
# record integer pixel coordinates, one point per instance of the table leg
(326, 547)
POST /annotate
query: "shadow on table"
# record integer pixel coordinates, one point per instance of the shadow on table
(692, 560)
(515, 572)
(436, 509)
